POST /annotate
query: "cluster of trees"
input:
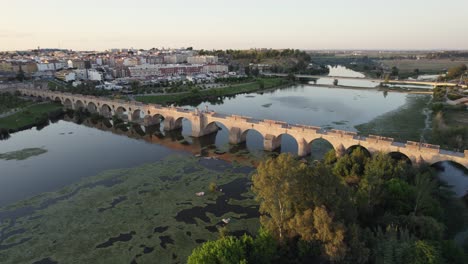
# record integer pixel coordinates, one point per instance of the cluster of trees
(455, 72)
(84, 89)
(351, 209)
(258, 54)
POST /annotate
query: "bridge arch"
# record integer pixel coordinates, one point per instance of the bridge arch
(399, 156)
(57, 99)
(106, 111)
(253, 139)
(213, 127)
(287, 143)
(79, 105)
(352, 148)
(318, 147)
(121, 112)
(68, 103)
(138, 114)
(219, 131)
(92, 107)
(184, 126)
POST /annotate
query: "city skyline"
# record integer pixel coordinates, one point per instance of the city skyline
(370, 25)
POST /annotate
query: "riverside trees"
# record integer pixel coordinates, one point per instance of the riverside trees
(353, 209)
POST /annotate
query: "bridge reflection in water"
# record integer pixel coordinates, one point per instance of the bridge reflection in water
(205, 123)
(208, 146)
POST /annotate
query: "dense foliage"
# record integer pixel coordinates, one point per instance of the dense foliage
(350, 209)
(10, 101)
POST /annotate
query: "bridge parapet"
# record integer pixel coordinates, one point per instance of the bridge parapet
(412, 145)
(343, 133)
(380, 139)
(305, 128)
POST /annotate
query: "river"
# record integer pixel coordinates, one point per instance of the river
(77, 151)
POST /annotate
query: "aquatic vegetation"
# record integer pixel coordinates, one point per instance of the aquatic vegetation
(22, 154)
(148, 213)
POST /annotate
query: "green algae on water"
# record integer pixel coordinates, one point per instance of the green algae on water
(22, 154)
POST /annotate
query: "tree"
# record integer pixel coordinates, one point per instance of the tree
(262, 249)
(134, 85)
(395, 71)
(330, 234)
(225, 250)
(275, 185)
(423, 252)
(424, 187)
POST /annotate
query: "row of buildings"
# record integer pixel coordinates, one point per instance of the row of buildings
(110, 65)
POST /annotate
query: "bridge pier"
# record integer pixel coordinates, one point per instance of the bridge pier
(170, 124)
(235, 136)
(271, 143)
(303, 148)
(151, 121)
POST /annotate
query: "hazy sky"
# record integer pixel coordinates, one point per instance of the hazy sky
(304, 24)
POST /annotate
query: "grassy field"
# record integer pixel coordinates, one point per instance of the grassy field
(202, 95)
(424, 65)
(147, 214)
(28, 115)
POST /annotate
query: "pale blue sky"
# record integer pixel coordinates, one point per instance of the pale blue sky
(326, 24)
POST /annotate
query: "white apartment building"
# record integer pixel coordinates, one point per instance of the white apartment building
(148, 70)
(202, 59)
(175, 58)
(215, 68)
(51, 66)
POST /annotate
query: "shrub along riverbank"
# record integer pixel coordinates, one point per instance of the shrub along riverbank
(196, 96)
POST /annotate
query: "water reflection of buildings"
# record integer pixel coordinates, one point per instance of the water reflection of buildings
(175, 140)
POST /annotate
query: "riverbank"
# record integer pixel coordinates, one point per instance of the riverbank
(212, 94)
(142, 214)
(29, 116)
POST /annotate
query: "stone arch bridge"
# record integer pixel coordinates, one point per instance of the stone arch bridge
(204, 123)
